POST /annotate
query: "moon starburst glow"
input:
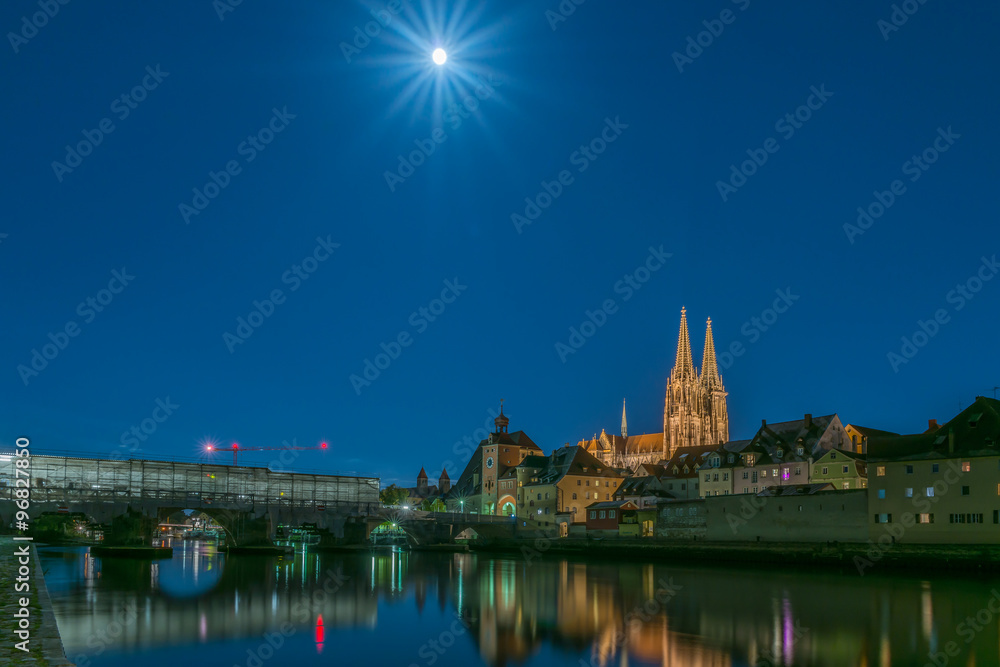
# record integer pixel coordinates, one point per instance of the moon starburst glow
(439, 56)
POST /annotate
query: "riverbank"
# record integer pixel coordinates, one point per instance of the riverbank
(45, 646)
(859, 557)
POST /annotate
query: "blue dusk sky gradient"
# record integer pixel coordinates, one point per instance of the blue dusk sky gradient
(337, 118)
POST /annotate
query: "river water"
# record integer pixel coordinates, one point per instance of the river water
(407, 608)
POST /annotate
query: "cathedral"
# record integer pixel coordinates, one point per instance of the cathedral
(694, 412)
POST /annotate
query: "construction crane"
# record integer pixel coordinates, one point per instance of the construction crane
(236, 449)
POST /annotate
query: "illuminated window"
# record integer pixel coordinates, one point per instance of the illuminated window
(930, 491)
(966, 466)
(785, 473)
(909, 492)
(774, 472)
(880, 471)
(881, 493)
(926, 518)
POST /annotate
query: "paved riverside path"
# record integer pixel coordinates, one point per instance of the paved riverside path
(45, 646)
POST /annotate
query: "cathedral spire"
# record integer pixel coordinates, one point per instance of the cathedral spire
(709, 368)
(624, 423)
(684, 365)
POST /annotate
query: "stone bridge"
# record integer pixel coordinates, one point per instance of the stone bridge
(435, 528)
(130, 497)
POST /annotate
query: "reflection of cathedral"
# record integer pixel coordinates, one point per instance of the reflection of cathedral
(694, 412)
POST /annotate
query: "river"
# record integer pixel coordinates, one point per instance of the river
(402, 608)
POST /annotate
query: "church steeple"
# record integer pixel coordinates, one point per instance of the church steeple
(709, 367)
(684, 364)
(624, 422)
(501, 421)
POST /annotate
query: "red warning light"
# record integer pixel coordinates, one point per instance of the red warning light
(322, 445)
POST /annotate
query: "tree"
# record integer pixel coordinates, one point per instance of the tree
(436, 505)
(393, 495)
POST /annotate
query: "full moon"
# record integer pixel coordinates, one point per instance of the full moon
(439, 56)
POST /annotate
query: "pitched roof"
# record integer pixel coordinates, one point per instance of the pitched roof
(573, 460)
(612, 504)
(516, 438)
(444, 475)
(974, 431)
(422, 474)
(873, 432)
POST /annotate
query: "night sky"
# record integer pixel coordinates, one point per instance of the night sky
(253, 158)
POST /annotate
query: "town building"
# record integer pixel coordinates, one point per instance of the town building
(614, 518)
(572, 480)
(939, 486)
(860, 435)
(477, 490)
(842, 468)
(423, 492)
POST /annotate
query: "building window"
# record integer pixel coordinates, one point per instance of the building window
(746, 475)
(798, 471)
(965, 490)
(930, 492)
(966, 466)
(708, 478)
(909, 492)
(755, 489)
(965, 518)
(883, 518)
(725, 477)
(880, 471)
(683, 487)
(602, 514)
(785, 473)
(833, 455)
(824, 470)
(587, 495)
(909, 470)
(847, 485)
(578, 482)
(692, 511)
(546, 510)
(539, 496)
(607, 496)
(925, 518)
(593, 514)
(881, 494)
(935, 468)
(996, 516)
(588, 482)
(611, 513)
(846, 469)
(715, 478)
(574, 496)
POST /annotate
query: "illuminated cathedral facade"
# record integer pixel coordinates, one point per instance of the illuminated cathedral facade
(694, 412)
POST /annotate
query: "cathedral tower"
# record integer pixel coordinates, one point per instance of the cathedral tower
(716, 416)
(694, 410)
(683, 403)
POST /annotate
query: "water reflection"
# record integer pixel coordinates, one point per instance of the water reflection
(422, 609)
